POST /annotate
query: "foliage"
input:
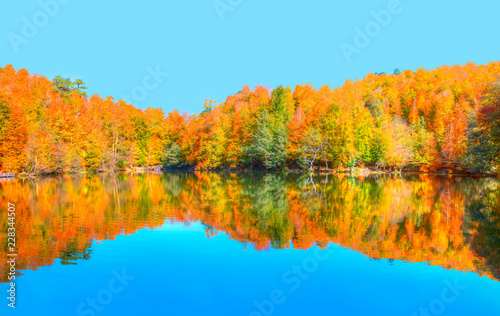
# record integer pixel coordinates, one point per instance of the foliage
(172, 156)
(66, 87)
(484, 133)
(425, 120)
(424, 147)
(268, 144)
(313, 147)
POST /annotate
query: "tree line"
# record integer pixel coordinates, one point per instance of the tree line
(422, 120)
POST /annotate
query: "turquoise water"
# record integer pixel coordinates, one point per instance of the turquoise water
(214, 244)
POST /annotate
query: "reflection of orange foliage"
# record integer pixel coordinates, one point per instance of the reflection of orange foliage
(393, 218)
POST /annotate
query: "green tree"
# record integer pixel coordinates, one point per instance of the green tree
(482, 154)
(268, 145)
(282, 105)
(424, 145)
(66, 87)
(172, 156)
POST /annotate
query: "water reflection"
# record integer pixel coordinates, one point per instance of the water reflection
(447, 221)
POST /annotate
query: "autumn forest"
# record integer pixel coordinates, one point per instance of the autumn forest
(426, 120)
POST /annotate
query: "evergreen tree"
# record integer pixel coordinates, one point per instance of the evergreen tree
(268, 144)
(172, 156)
(66, 87)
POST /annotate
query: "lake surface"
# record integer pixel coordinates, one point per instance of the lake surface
(253, 244)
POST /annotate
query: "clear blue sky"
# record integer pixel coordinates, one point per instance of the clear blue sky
(111, 44)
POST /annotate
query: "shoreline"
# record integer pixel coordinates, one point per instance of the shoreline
(354, 173)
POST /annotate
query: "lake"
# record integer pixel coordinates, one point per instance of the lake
(253, 244)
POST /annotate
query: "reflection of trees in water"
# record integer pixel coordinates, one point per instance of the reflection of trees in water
(266, 196)
(483, 225)
(73, 252)
(452, 222)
